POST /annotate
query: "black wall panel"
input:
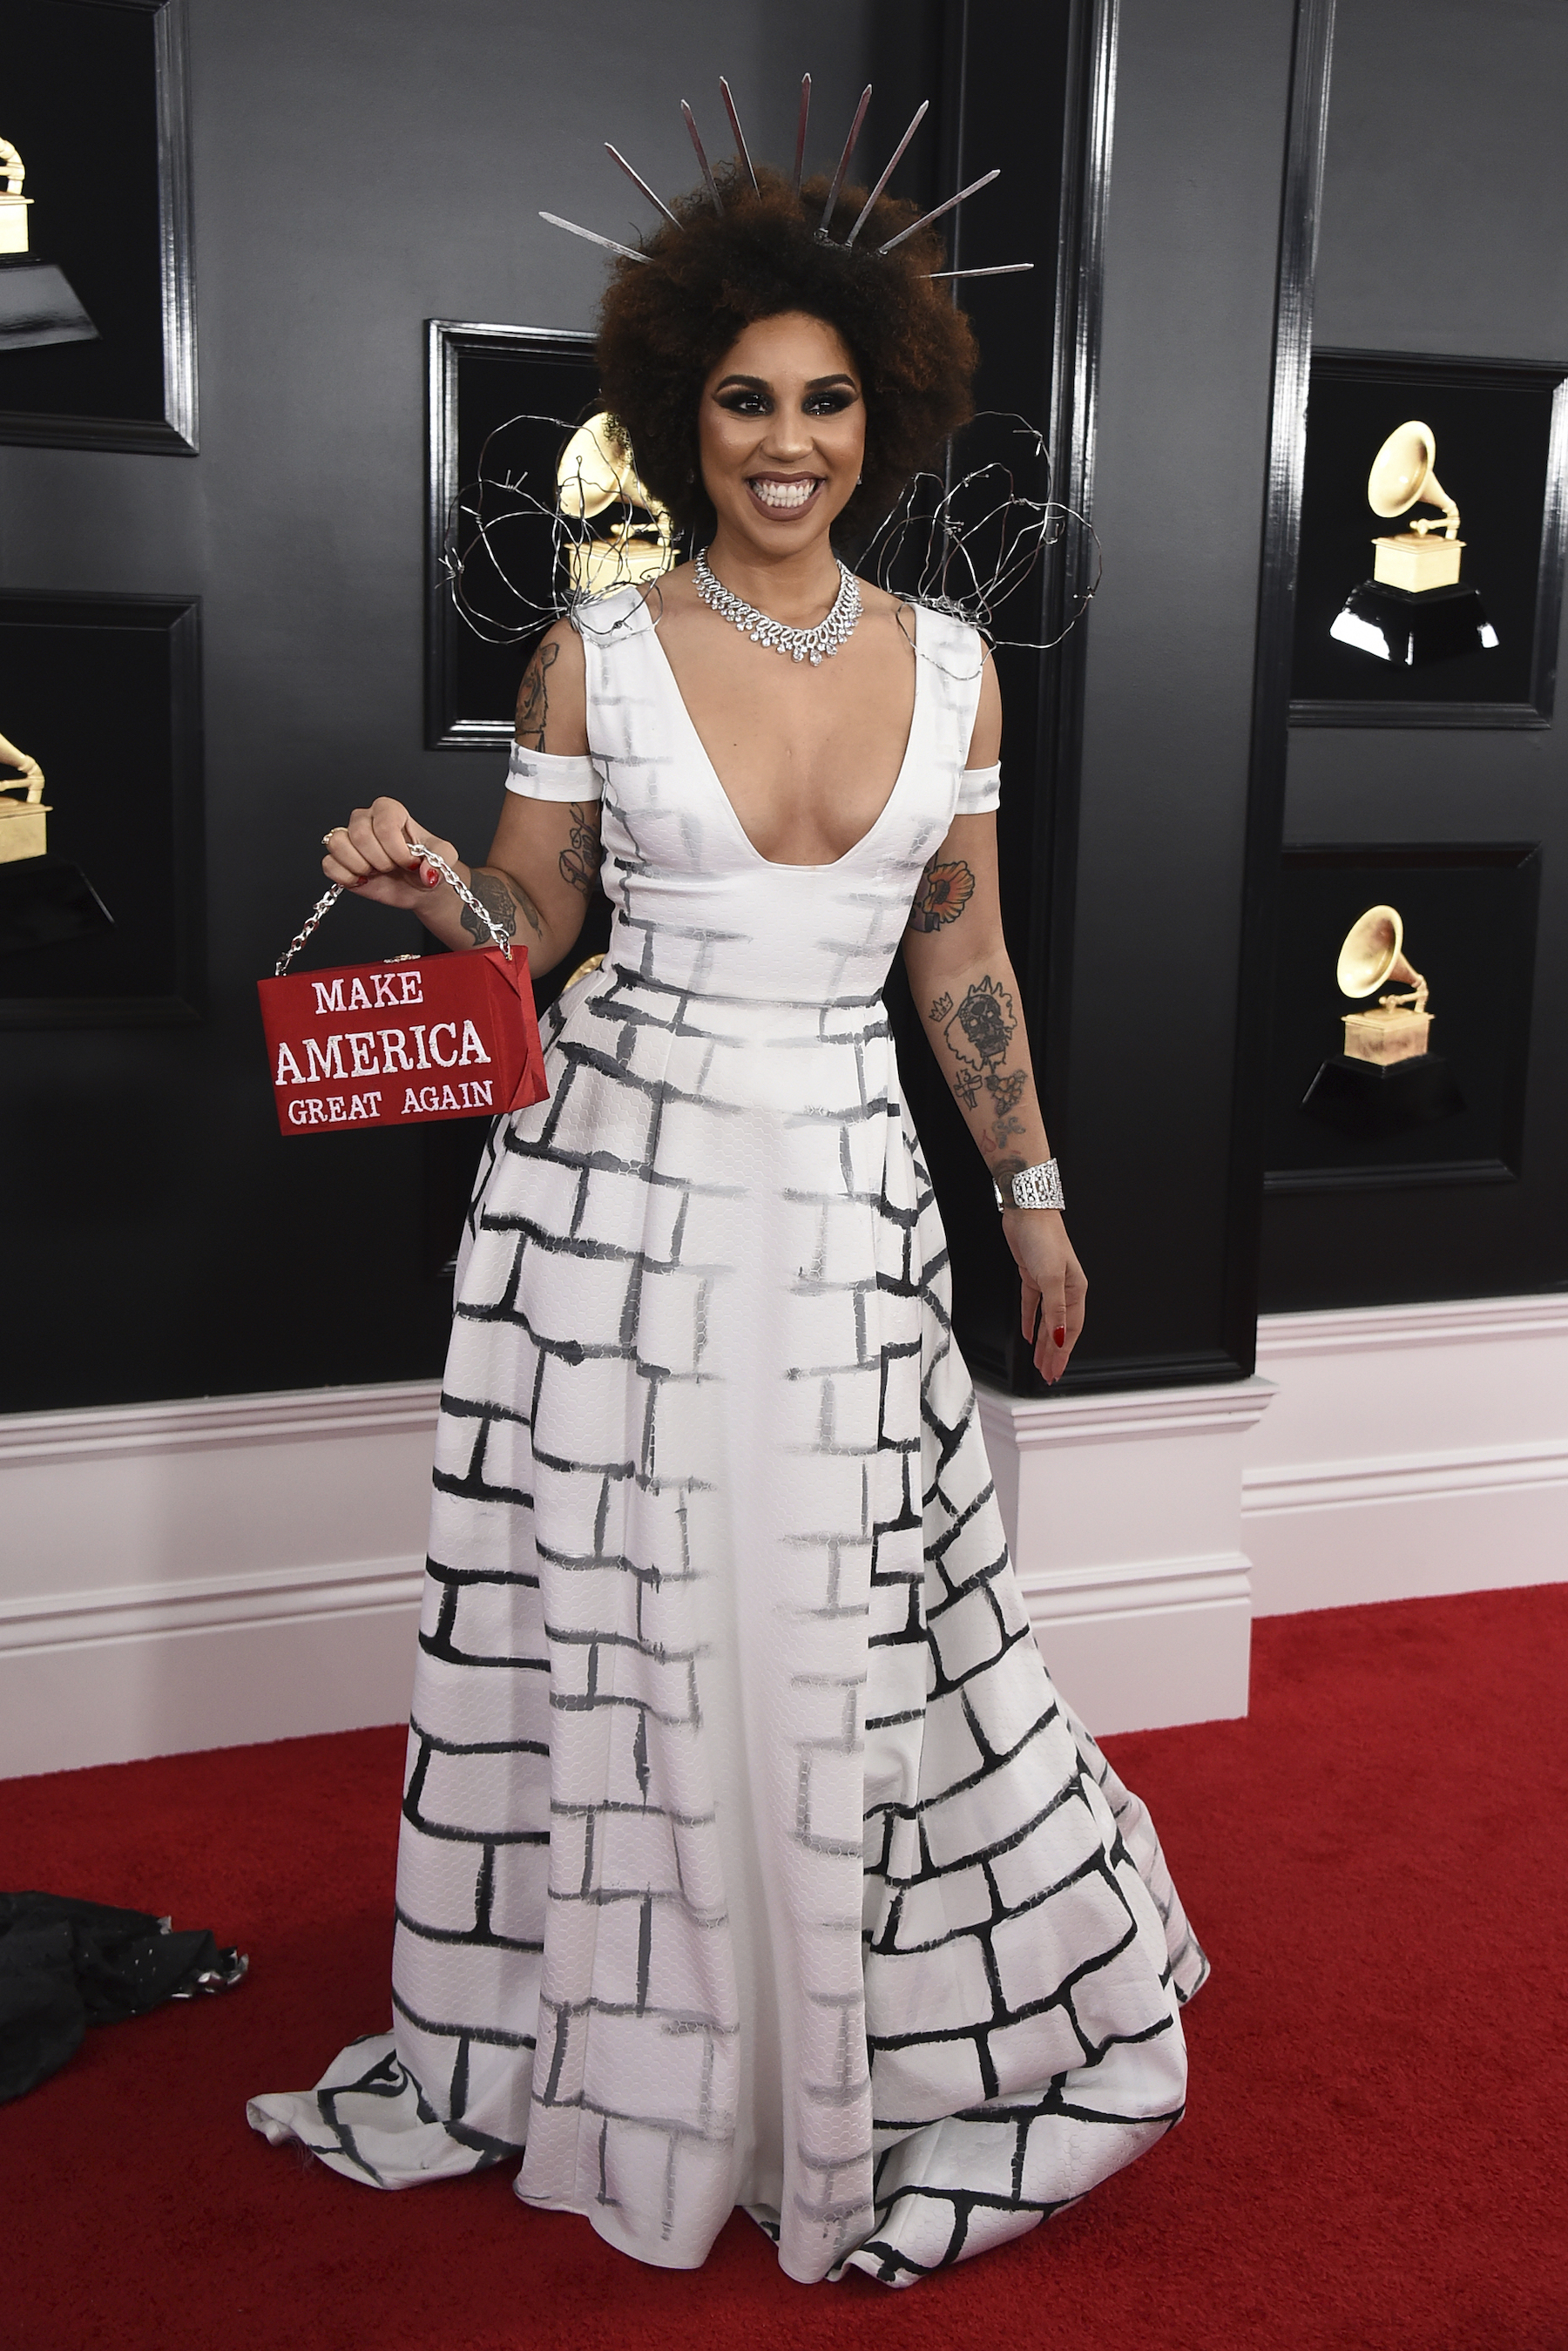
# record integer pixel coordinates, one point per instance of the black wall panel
(1145, 1129)
(1126, 754)
(1445, 243)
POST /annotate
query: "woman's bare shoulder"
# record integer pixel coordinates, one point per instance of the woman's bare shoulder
(552, 700)
(671, 590)
(876, 604)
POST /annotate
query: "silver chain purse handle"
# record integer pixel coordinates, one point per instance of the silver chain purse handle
(325, 903)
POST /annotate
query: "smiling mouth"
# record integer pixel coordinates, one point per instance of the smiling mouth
(784, 496)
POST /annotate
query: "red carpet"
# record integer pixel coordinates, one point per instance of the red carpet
(1376, 2157)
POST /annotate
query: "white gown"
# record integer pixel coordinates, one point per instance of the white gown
(749, 1854)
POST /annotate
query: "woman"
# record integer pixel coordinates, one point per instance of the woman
(749, 1855)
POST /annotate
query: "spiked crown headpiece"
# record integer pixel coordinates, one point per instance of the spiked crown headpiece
(744, 165)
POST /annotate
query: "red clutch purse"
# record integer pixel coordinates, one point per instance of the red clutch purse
(402, 1042)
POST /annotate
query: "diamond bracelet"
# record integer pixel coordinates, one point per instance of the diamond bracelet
(1035, 1187)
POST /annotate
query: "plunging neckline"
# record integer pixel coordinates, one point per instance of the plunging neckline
(780, 865)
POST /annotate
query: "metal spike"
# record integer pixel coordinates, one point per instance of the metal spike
(897, 157)
(641, 183)
(593, 237)
(926, 218)
(800, 133)
(844, 160)
(743, 154)
(708, 181)
(997, 269)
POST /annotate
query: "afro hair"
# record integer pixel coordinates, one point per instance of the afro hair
(666, 322)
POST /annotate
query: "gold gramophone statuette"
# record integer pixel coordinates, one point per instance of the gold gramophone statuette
(23, 823)
(38, 303)
(596, 472)
(1414, 610)
(1403, 477)
(13, 203)
(1399, 1028)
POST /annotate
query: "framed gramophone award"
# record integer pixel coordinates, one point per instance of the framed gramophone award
(502, 403)
(1429, 583)
(1401, 1015)
(101, 879)
(98, 335)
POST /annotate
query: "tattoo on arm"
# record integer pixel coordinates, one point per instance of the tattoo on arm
(533, 699)
(1006, 1089)
(504, 902)
(582, 857)
(941, 896)
(979, 1033)
(941, 1006)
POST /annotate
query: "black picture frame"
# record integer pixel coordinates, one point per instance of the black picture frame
(1470, 912)
(1501, 431)
(104, 693)
(96, 101)
(478, 377)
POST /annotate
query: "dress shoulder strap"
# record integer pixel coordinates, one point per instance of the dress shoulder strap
(616, 638)
(952, 654)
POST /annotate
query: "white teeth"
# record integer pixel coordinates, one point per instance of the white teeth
(784, 494)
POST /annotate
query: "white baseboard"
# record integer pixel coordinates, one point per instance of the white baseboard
(1414, 1450)
(176, 1576)
(1165, 1642)
(201, 1575)
(1123, 1515)
(228, 1685)
(231, 1424)
(219, 1603)
(1384, 1329)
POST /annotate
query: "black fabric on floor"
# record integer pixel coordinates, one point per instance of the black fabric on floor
(65, 1964)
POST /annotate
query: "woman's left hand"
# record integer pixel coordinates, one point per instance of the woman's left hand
(1054, 1288)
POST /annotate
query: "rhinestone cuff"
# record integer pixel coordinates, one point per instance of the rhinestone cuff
(1035, 1187)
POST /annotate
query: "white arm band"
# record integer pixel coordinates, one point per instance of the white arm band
(550, 775)
(979, 790)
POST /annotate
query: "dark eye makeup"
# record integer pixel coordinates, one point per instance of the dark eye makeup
(752, 400)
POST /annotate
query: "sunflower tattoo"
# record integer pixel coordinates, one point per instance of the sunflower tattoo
(941, 896)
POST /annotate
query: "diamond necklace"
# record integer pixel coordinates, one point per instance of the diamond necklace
(802, 644)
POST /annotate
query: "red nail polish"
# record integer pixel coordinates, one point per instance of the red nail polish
(429, 876)
(1059, 1334)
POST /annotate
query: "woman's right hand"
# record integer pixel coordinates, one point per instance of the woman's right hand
(370, 855)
